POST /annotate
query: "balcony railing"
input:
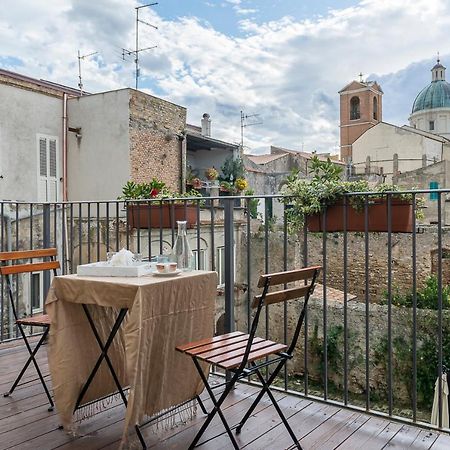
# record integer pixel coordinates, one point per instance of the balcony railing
(377, 333)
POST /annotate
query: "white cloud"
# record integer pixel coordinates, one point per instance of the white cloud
(288, 71)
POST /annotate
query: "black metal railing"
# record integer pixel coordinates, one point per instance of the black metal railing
(368, 337)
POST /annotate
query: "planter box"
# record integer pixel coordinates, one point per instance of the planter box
(401, 217)
(160, 216)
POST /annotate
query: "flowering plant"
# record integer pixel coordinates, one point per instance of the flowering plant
(241, 184)
(196, 183)
(211, 173)
(136, 191)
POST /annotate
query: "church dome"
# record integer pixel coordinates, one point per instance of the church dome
(436, 94)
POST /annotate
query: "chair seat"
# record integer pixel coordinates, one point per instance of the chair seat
(41, 320)
(227, 351)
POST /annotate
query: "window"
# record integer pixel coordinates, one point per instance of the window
(202, 265)
(375, 108)
(220, 264)
(48, 169)
(431, 125)
(354, 108)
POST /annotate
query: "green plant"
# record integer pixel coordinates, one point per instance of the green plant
(140, 191)
(232, 169)
(252, 204)
(325, 188)
(427, 296)
(155, 189)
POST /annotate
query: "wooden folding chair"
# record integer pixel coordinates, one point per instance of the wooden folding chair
(237, 352)
(40, 320)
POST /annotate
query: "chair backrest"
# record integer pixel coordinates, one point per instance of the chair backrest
(308, 275)
(13, 269)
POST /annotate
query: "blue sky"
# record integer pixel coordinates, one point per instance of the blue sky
(224, 16)
(283, 59)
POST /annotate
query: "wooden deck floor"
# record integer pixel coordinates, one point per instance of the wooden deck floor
(25, 423)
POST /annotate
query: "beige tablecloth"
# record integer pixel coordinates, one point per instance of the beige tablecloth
(163, 313)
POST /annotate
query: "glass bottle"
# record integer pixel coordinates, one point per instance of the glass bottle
(181, 250)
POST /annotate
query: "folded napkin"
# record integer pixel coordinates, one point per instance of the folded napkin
(122, 258)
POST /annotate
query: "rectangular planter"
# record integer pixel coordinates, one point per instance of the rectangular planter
(401, 218)
(160, 216)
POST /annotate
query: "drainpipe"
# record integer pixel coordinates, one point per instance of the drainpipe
(183, 145)
(64, 146)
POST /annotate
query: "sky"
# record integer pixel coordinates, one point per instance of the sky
(282, 60)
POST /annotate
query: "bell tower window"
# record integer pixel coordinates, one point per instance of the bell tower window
(355, 108)
(375, 108)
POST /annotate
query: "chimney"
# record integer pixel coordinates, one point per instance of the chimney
(206, 125)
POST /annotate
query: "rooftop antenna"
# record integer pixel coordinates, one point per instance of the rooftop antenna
(80, 83)
(244, 124)
(360, 77)
(137, 49)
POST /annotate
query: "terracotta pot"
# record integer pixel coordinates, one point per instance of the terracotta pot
(160, 216)
(401, 218)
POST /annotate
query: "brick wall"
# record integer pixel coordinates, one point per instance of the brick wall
(155, 147)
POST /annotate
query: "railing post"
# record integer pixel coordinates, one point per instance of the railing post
(229, 265)
(46, 243)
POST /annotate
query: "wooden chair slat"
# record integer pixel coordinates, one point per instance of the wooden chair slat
(32, 267)
(27, 254)
(191, 345)
(281, 296)
(288, 276)
(239, 352)
(258, 354)
(227, 348)
(42, 320)
(218, 345)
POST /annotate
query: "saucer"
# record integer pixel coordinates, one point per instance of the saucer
(167, 274)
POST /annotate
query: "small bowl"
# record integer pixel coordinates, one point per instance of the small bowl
(172, 267)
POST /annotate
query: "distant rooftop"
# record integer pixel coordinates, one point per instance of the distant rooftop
(39, 83)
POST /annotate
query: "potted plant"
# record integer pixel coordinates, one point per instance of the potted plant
(309, 199)
(152, 205)
(211, 173)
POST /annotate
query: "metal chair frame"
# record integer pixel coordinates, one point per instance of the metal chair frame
(248, 366)
(7, 271)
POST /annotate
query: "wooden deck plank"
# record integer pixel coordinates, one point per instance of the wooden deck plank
(424, 440)
(25, 422)
(371, 429)
(404, 438)
(340, 435)
(321, 435)
(441, 443)
(302, 423)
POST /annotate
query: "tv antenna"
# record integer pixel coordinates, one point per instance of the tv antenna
(80, 83)
(138, 50)
(255, 120)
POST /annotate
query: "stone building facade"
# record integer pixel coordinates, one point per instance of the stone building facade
(155, 129)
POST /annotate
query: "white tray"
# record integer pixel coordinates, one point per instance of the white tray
(103, 269)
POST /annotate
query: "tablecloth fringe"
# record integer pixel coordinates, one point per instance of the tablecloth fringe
(92, 408)
(167, 419)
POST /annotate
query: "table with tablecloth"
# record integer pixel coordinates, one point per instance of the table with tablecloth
(162, 313)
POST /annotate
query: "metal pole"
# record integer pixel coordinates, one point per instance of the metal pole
(229, 264)
(46, 243)
(136, 54)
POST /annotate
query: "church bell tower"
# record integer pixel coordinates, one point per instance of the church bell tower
(360, 109)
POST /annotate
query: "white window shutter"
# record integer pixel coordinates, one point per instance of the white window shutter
(48, 170)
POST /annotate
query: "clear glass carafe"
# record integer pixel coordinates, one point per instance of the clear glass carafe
(181, 251)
